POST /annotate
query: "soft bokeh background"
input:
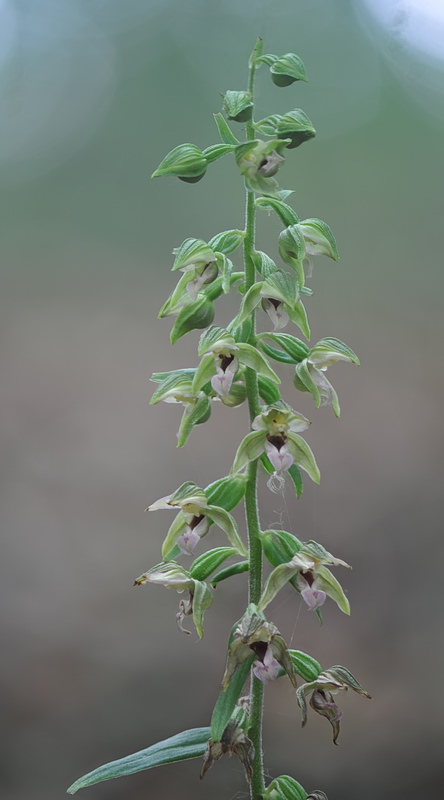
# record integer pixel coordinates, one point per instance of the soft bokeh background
(93, 94)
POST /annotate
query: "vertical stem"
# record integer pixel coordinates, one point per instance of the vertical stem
(251, 510)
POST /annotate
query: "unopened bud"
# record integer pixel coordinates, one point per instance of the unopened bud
(186, 162)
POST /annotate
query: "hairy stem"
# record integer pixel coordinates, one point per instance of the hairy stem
(251, 510)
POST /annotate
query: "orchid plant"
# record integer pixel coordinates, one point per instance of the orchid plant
(235, 367)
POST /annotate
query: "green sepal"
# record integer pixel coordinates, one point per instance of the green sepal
(298, 316)
(179, 297)
(176, 529)
(197, 315)
(326, 582)
(284, 788)
(187, 373)
(249, 302)
(303, 456)
(238, 106)
(252, 358)
(186, 162)
(227, 700)
(182, 746)
(287, 69)
(306, 666)
(296, 126)
(204, 372)
(263, 263)
(205, 564)
(174, 380)
(188, 492)
(321, 238)
(291, 346)
(214, 338)
(303, 380)
(330, 349)
(349, 680)
(226, 492)
(249, 449)
(268, 390)
(192, 251)
(296, 477)
(194, 414)
(225, 132)
(284, 211)
(202, 599)
(228, 572)
(225, 269)
(268, 125)
(216, 151)
(274, 583)
(280, 285)
(292, 250)
(279, 546)
(228, 524)
(227, 241)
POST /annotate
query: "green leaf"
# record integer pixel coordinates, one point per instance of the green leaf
(228, 572)
(306, 666)
(287, 69)
(182, 746)
(284, 211)
(256, 53)
(205, 564)
(227, 241)
(227, 700)
(216, 151)
(273, 352)
(225, 132)
(249, 449)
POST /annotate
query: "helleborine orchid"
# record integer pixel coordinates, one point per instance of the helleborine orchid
(310, 372)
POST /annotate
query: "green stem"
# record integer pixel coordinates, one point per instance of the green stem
(251, 510)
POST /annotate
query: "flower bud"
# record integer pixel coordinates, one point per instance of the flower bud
(238, 106)
(295, 126)
(287, 69)
(284, 788)
(186, 162)
(236, 395)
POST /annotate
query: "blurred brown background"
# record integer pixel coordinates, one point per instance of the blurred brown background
(93, 95)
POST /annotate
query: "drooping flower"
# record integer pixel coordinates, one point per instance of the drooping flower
(310, 372)
(322, 690)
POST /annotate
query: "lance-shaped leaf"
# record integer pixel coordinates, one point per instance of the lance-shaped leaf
(225, 132)
(227, 241)
(303, 456)
(194, 414)
(205, 564)
(295, 127)
(249, 449)
(285, 212)
(284, 788)
(181, 747)
(186, 162)
(228, 572)
(294, 348)
(228, 524)
(227, 700)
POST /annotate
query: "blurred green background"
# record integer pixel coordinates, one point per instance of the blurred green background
(94, 93)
